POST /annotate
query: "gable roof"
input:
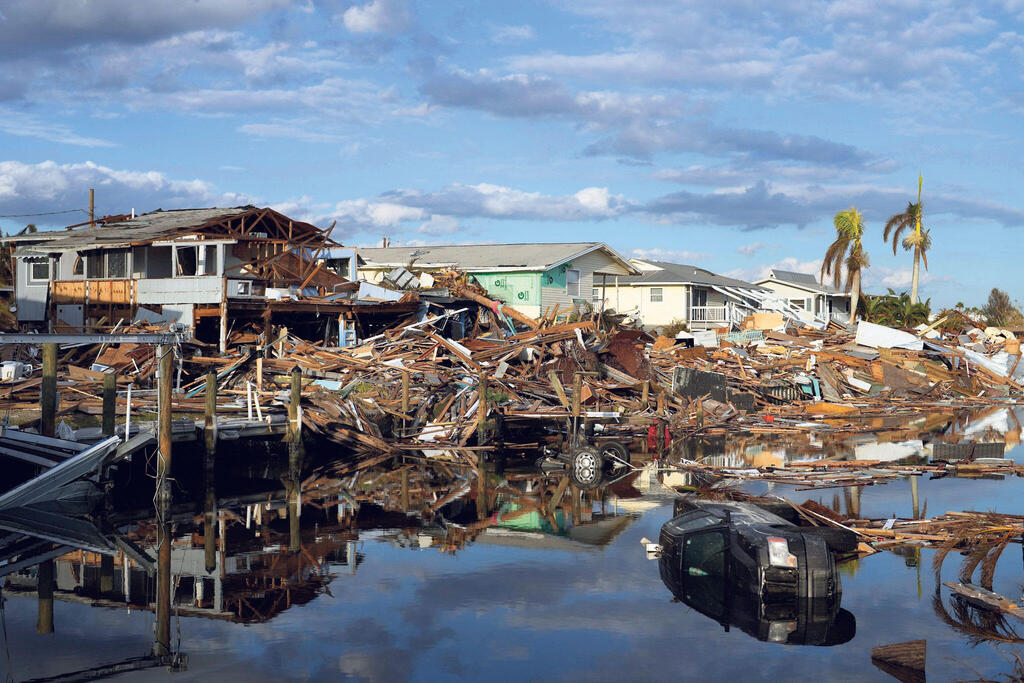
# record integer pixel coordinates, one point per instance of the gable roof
(681, 274)
(805, 281)
(484, 258)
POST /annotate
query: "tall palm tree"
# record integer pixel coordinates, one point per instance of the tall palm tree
(847, 250)
(918, 240)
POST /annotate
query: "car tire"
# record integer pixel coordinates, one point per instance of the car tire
(613, 452)
(586, 468)
(838, 540)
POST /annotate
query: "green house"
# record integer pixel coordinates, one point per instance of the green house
(530, 277)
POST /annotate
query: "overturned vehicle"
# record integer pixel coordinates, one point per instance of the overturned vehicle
(747, 567)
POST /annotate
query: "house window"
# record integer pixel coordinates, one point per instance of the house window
(188, 261)
(656, 295)
(699, 297)
(595, 295)
(210, 259)
(117, 263)
(798, 303)
(94, 265)
(39, 271)
(78, 267)
(572, 282)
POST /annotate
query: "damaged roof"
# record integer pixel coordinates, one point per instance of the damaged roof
(143, 228)
(682, 274)
(482, 258)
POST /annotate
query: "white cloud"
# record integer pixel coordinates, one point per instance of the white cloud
(378, 16)
(48, 186)
(512, 34)
(669, 255)
(26, 125)
(440, 225)
(293, 130)
(752, 248)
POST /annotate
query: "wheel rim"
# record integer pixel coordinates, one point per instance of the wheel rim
(585, 467)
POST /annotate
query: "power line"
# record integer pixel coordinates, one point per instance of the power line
(45, 213)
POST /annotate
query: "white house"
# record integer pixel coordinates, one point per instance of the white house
(665, 292)
(802, 290)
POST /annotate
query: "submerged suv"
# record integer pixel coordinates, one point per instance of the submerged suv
(741, 564)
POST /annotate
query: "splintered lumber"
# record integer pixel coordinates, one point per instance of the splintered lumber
(985, 599)
(903, 661)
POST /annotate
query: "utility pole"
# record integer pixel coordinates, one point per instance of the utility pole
(92, 206)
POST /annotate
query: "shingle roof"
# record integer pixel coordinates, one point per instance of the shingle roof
(485, 257)
(678, 273)
(803, 280)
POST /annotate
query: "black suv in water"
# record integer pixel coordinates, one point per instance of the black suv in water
(740, 564)
(751, 549)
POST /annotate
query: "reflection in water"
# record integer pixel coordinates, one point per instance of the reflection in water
(544, 562)
(895, 439)
(791, 622)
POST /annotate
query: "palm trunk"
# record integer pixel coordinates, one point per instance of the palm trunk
(917, 275)
(855, 296)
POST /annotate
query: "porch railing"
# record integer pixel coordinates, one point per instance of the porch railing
(709, 314)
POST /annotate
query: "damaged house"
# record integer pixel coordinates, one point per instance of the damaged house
(529, 277)
(211, 270)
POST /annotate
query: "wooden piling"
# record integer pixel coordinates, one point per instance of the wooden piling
(577, 394)
(48, 392)
(210, 503)
(295, 452)
(481, 412)
(44, 590)
(162, 646)
(700, 414)
(109, 402)
(405, 393)
(405, 490)
(645, 394)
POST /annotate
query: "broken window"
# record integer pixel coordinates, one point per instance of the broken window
(572, 282)
(657, 294)
(188, 261)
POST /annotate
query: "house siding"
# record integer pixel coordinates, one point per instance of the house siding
(654, 314)
(586, 264)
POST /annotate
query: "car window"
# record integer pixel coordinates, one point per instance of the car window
(704, 554)
(703, 572)
(696, 520)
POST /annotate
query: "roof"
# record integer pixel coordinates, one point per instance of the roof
(483, 258)
(682, 274)
(142, 228)
(801, 280)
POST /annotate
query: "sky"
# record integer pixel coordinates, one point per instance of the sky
(722, 134)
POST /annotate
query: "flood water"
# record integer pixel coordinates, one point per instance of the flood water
(521, 590)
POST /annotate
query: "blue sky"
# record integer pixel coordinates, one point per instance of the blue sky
(725, 134)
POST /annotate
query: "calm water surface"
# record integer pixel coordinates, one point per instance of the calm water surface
(527, 601)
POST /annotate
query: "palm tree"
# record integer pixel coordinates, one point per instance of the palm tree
(847, 250)
(919, 240)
